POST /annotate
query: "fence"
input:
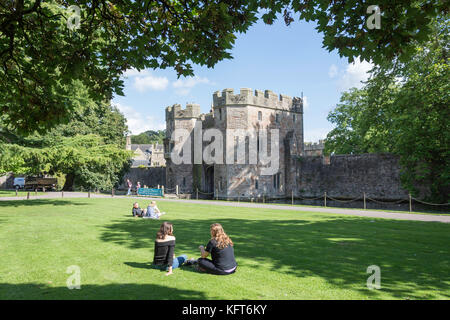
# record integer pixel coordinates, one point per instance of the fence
(365, 199)
(363, 202)
(411, 202)
(323, 200)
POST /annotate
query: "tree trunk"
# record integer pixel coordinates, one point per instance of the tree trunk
(68, 184)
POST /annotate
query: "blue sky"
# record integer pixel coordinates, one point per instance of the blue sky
(285, 59)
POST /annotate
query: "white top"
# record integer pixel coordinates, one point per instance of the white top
(167, 238)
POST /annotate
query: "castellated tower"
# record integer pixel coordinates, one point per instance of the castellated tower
(177, 118)
(254, 112)
(240, 118)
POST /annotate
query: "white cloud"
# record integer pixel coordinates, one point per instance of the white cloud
(305, 103)
(184, 86)
(314, 135)
(137, 122)
(333, 72)
(150, 82)
(133, 72)
(144, 80)
(355, 73)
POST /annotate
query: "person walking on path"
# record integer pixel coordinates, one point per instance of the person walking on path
(138, 186)
(130, 185)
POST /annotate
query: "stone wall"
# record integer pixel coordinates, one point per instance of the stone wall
(348, 176)
(7, 181)
(180, 175)
(150, 177)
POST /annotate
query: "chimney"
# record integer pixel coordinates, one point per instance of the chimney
(128, 146)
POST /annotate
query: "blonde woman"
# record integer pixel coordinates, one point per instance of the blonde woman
(222, 253)
(153, 211)
(164, 256)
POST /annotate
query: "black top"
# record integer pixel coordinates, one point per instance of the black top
(164, 253)
(137, 211)
(222, 258)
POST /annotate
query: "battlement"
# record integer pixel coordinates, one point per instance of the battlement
(267, 99)
(207, 120)
(176, 112)
(314, 145)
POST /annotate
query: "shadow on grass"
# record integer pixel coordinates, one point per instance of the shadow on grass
(148, 265)
(40, 202)
(145, 265)
(87, 292)
(413, 256)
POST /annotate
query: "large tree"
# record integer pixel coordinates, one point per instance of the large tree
(149, 137)
(404, 109)
(41, 55)
(88, 152)
(85, 161)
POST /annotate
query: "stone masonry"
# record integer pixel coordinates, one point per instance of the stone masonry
(302, 171)
(249, 111)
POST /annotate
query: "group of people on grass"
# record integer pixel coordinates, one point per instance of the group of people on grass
(152, 211)
(220, 247)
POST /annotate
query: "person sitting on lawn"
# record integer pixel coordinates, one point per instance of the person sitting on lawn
(153, 211)
(164, 256)
(222, 253)
(136, 211)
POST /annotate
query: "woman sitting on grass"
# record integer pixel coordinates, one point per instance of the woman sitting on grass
(222, 253)
(153, 211)
(164, 250)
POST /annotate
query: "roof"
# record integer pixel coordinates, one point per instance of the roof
(143, 147)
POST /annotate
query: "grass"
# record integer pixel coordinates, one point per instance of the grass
(443, 211)
(21, 193)
(281, 254)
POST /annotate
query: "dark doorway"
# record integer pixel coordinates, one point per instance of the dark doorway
(209, 179)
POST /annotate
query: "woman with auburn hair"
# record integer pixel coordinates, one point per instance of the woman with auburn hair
(164, 256)
(222, 253)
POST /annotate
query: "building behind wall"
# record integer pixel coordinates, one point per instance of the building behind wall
(147, 166)
(314, 149)
(146, 155)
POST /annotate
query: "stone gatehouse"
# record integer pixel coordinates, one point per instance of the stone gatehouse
(251, 112)
(299, 172)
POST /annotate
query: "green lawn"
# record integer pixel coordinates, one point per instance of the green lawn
(21, 193)
(281, 254)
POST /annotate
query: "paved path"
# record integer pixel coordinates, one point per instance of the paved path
(351, 212)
